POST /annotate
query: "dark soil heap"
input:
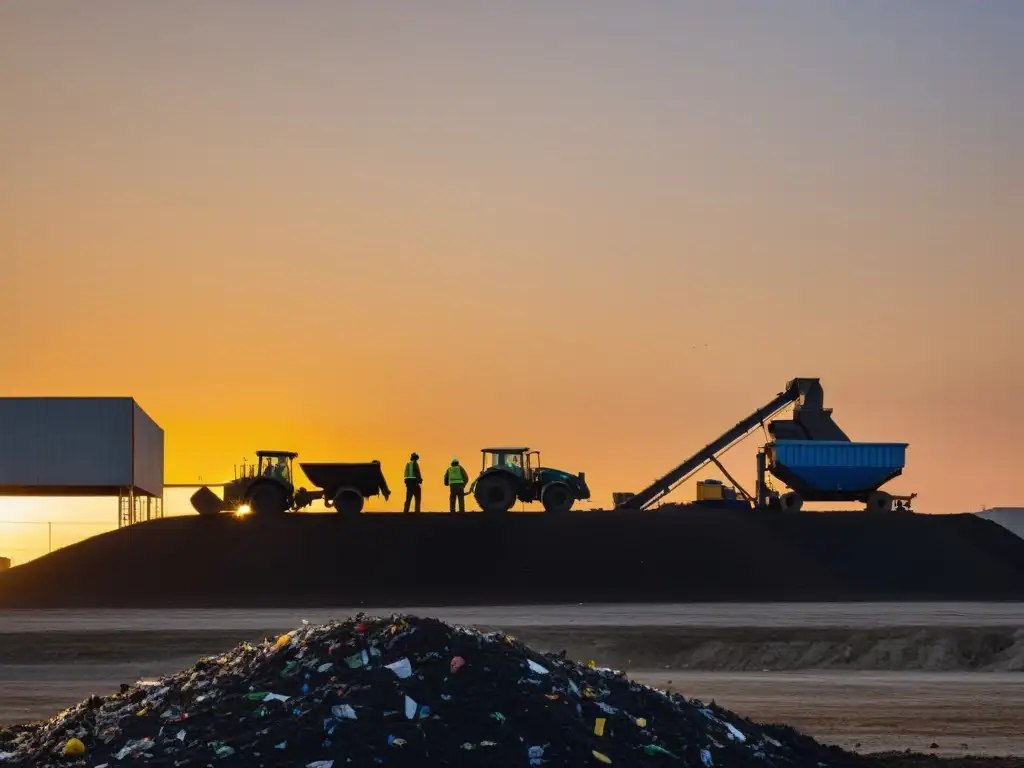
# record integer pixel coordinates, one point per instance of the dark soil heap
(666, 555)
(402, 692)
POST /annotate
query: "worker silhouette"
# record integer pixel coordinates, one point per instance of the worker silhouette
(413, 482)
(278, 470)
(455, 478)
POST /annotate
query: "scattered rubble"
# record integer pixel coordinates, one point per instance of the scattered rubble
(402, 691)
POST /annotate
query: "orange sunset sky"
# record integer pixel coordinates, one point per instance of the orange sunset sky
(605, 230)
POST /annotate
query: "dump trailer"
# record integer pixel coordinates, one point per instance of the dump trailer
(808, 452)
(267, 487)
(345, 486)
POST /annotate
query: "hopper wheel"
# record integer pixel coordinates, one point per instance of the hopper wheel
(791, 502)
(880, 501)
(348, 502)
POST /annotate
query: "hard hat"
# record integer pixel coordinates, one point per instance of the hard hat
(414, 456)
(455, 462)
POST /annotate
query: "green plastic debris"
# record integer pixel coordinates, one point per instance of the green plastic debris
(257, 695)
(355, 661)
(222, 750)
(498, 716)
(654, 749)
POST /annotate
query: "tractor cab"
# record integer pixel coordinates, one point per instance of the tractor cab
(276, 465)
(520, 461)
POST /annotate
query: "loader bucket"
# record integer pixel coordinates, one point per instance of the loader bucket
(206, 502)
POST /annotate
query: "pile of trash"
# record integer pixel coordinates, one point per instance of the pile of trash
(401, 691)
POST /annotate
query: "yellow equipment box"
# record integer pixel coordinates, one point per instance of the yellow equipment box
(710, 490)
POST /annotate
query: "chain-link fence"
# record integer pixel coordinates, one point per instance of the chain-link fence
(31, 527)
(21, 541)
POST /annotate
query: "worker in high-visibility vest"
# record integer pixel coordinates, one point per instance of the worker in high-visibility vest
(413, 482)
(455, 478)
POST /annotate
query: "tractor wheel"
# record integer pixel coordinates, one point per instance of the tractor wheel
(557, 498)
(791, 502)
(880, 501)
(268, 498)
(348, 502)
(494, 493)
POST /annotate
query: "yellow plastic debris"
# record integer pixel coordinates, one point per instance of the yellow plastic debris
(283, 640)
(641, 722)
(142, 712)
(601, 756)
(74, 748)
(599, 727)
(592, 664)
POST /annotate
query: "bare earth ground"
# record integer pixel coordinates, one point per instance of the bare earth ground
(870, 677)
(806, 615)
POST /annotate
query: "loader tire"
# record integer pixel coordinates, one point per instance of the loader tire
(348, 502)
(880, 501)
(268, 499)
(557, 498)
(791, 502)
(494, 494)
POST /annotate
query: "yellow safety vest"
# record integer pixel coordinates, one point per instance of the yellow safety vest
(455, 476)
(410, 471)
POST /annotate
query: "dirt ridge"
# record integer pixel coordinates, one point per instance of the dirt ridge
(662, 556)
(744, 649)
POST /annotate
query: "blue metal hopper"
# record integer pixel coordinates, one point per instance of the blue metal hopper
(823, 470)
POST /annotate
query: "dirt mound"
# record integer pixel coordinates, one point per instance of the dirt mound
(923, 649)
(403, 692)
(668, 555)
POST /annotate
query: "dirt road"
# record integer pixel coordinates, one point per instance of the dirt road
(859, 696)
(767, 615)
(964, 713)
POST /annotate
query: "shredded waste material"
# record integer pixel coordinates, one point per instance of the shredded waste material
(402, 691)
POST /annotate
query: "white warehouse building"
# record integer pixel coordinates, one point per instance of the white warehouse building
(83, 446)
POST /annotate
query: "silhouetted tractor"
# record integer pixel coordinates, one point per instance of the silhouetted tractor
(510, 474)
(267, 487)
